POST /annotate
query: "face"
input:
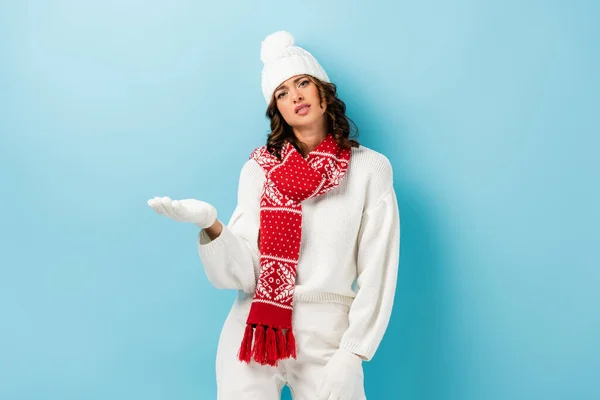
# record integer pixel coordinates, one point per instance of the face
(298, 101)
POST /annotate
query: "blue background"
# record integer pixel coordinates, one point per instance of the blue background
(487, 111)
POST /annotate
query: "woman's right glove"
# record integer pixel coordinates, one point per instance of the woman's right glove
(195, 211)
(342, 377)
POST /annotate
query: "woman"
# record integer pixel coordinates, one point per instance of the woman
(312, 246)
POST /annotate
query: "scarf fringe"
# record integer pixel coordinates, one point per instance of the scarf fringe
(281, 349)
(291, 344)
(271, 350)
(266, 345)
(245, 352)
(258, 350)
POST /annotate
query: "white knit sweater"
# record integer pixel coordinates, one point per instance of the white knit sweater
(349, 251)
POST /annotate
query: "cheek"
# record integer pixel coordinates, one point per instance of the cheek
(287, 111)
(314, 91)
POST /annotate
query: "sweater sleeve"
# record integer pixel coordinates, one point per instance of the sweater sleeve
(231, 261)
(378, 256)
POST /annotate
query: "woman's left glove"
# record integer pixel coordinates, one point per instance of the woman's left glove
(342, 377)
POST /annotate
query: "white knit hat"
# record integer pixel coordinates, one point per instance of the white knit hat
(282, 60)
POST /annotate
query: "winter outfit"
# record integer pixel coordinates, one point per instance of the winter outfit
(313, 249)
(344, 286)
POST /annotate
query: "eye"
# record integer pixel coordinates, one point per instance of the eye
(281, 94)
(303, 83)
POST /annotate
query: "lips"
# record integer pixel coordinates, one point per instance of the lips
(301, 107)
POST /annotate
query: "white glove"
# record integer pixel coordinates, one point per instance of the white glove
(195, 211)
(342, 377)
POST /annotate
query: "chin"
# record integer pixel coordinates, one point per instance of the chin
(306, 121)
(302, 123)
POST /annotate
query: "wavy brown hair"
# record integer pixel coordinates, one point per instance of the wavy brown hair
(337, 121)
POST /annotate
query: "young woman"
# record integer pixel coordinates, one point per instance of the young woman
(312, 247)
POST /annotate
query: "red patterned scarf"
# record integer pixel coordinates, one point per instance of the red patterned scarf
(288, 183)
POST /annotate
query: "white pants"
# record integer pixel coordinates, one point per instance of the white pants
(318, 329)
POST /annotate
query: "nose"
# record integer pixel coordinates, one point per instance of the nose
(298, 97)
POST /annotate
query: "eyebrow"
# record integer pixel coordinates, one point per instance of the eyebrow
(295, 80)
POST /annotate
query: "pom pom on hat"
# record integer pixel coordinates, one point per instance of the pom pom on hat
(274, 45)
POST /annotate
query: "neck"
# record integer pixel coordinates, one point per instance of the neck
(310, 136)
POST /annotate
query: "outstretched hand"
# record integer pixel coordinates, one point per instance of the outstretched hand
(194, 211)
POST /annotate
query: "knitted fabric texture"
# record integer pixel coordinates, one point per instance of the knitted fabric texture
(282, 59)
(288, 183)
